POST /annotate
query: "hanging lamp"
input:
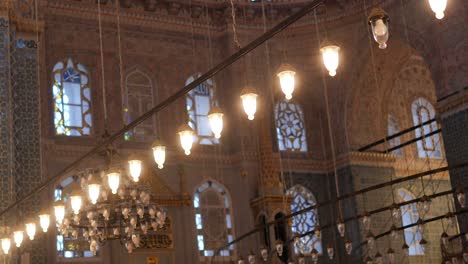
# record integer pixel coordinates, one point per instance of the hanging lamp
(378, 20)
(6, 244)
(438, 7)
(286, 74)
(331, 57)
(215, 116)
(18, 237)
(186, 135)
(31, 230)
(44, 221)
(59, 209)
(159, 153)
(76, 202)
(135, 167)
(113, 179)
(94, 189)
(249, 101)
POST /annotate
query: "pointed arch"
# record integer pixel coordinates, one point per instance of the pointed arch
(423, 111)
(306, 222)
(290, 127)
(198, 103)
(72, 99)
(138, 98)
(213, 219)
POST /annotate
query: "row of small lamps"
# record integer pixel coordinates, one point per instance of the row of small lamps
(378, 21)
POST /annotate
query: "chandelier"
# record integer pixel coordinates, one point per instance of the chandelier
(117, 207)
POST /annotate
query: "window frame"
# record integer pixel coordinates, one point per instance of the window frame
(59, 68)
(415, 249)
(223, 194)
(191, 108)
(126, 113)
(435, 140)
(284, 143)
(309, 198)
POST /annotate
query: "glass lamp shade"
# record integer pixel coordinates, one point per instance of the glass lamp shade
(94, 189)
(378, 20)
(31, 230)
(18, 237)
(249, 102)
(76, 203)
(391, 256)
(438, 6)
(331, 58)
(113, 179)
(286, 75)
(135, 167)
(279, 247)
(6, 244)
(44, 222)
(159, 154)
(59, 210)
(215, 116)
(264, 254)
(348, 247)
(186, 135)
(251, 258)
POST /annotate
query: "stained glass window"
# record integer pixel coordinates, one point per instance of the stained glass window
(72, 99)
(423, 111)
(213, 219)
(410, 215)
(393, 129)
(306, 222)
(290, 127)
(138, 99)
(199, 102)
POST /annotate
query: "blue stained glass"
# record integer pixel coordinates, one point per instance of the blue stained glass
(70, 75)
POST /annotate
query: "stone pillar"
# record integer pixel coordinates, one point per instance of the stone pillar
(453, 112)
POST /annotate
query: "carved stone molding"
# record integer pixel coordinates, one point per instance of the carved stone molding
(453, 104)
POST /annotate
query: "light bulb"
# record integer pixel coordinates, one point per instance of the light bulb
(215, 116)
(159, 154)
(331, 58)
(330, 252)
(76, 203)
(31, 230)
(286, 74)
(59, 209)
(135, 167)
(186, 135)
(349, 247)
(279, 247)
(405, 249)
(251, 258)
(438, 6)
(249, 101)
(44, 222)
(391, 256)
(341, 228)
(113, 179)
(18, 236)
(6, 244)
(264, 254)
(93, 191)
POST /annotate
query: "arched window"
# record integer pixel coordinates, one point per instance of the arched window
(138, 99)
(393, 128)
(410, 215)
(199, 102)
(72, 99)
(213, 219)
(306, 222)
(290, 127)
(423, 111)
